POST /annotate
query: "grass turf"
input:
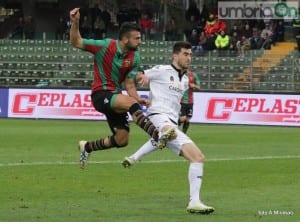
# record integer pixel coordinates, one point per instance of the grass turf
(251, 174)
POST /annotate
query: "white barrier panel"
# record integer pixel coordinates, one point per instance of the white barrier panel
(52, 103)
(257, 109)
(225, 108)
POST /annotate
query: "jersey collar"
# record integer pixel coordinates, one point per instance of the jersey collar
(120, 53)
(179, 71)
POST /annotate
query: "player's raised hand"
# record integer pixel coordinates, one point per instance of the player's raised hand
(142, 79)
(75, 15)
(143, 101)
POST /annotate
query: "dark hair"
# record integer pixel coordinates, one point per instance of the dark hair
(181, 45)
(127, 27)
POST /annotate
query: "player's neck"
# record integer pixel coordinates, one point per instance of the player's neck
(124, 49)
(180, 70)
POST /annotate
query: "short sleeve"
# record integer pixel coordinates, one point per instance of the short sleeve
(93, 46)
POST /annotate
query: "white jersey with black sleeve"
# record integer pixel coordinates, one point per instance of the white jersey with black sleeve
(166, 90)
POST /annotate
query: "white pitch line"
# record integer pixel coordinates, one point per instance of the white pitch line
(148, 161)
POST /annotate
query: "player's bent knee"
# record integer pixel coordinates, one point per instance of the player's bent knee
(118, 143)
(202, 159)
(192, 153)
(174, 135)
(166, 128)
(121, 145)
(198, 159)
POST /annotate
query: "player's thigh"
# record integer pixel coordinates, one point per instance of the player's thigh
(192, 153)
(117, 121)
(102, 101)
(122, 103)
(161, 120)
(179, 142)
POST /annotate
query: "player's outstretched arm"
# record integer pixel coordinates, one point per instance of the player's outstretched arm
(75, 37)
(132, 92)
(141, 79)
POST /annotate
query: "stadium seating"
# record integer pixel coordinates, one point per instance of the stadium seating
(55, 64)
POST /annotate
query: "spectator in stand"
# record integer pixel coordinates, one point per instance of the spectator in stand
(202, 43)
(194, 40)
(243, 45)
(267, 42)
(99, 28)
(193, 10)
(61, 28)
(94, 12)
(260, 24)
(211, 26)
(123, 15)
(211, 31)
(146, 25)
(29, 28)
(240, 23)
(85, 27)
(246, 31)
(134, 13)
(222, 43)
(235, 29)
(296, 31)
(255, 39)
(106, 17)
(221, 24)
(19, 30)
(171, 30)
(201, 25)
(233, 41)
(204, 12)
(190, 25)
(279, 31)
(266, 37)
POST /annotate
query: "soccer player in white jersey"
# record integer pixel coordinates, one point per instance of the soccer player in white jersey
(167, 86)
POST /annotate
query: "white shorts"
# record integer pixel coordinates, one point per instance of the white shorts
(161, 120)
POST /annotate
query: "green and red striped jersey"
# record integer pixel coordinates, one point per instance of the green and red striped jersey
(111, 65)
(188, 94)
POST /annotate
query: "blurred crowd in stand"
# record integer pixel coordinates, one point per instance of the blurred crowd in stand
(207, 32)
(25, 28)
(203, 29)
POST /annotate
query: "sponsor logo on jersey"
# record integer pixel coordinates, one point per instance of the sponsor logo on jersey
(176, 89)
(127, 63)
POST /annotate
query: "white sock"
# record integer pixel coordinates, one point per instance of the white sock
(145, 149)
(195, 180)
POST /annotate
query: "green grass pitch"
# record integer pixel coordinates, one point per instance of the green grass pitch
(251, 174)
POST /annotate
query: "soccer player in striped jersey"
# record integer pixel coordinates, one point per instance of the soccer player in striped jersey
(167, 86)
(115, 63)
(187, 101)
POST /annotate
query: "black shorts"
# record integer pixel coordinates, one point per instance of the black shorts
(186, 110)
(102, 103)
